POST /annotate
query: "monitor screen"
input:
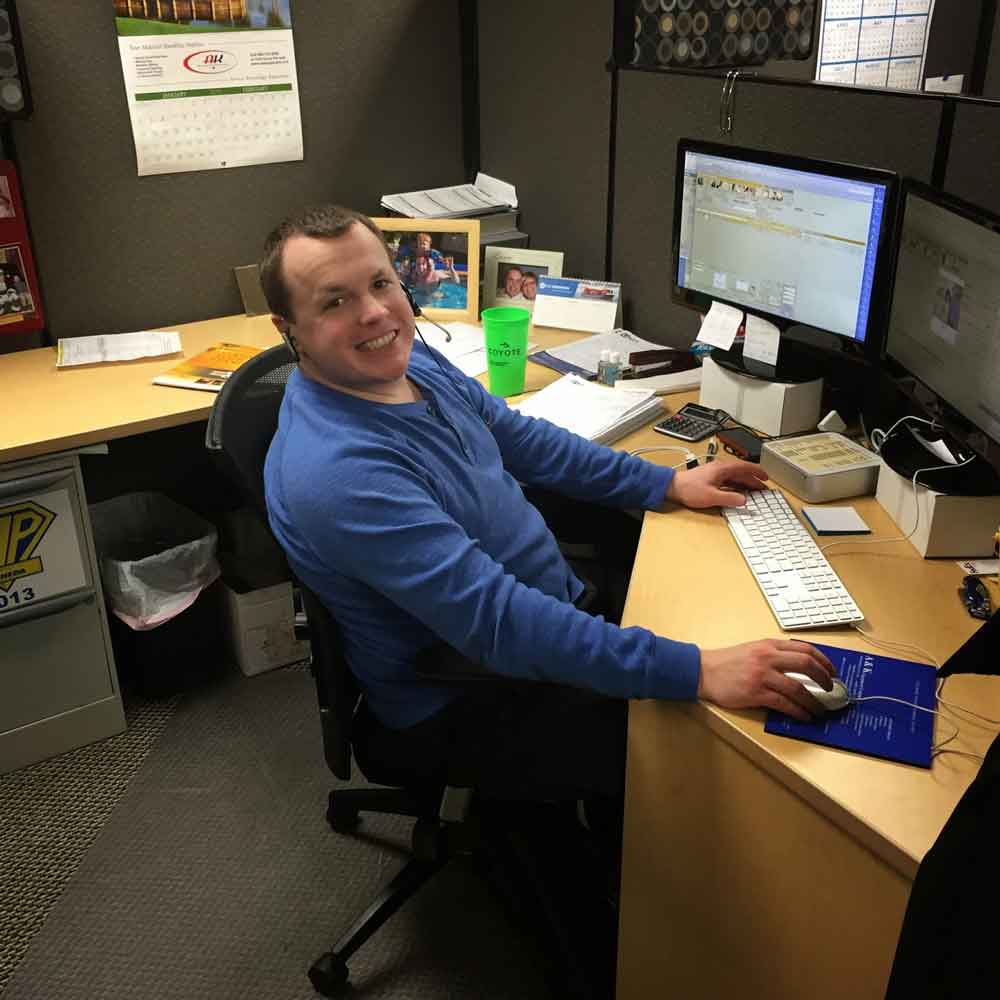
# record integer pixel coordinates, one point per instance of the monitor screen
(944, 326)
(795, 239)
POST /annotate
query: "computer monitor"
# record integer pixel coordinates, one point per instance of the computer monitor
(944, 324)
(796, 241)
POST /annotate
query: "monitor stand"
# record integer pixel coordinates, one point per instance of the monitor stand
(795, 364)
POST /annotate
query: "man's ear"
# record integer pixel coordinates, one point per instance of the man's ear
(285, 329)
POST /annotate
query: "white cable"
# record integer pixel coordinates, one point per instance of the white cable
(910, 704)
(894, 643)
(686, 452)
(981, 719)
(916, 510)
(885, 435)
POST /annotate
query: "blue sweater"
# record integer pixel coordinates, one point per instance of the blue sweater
(408, 521)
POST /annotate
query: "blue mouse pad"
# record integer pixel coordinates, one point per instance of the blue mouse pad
(878, 728)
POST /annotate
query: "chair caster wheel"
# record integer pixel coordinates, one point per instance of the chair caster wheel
(328, 974)
(342, 818)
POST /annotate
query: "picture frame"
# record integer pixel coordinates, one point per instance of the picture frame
(438, 261)
(501, 261)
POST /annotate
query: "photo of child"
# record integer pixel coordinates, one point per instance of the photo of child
(434, 266)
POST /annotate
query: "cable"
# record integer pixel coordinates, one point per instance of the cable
(893, 643)
(916, 510)
(981, 719)
(885, 435)
(690, 458)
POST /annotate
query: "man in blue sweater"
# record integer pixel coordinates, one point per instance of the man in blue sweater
(394, 487)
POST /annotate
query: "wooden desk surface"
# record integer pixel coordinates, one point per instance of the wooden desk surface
(896, 810)
(55, 409)
(61, 408)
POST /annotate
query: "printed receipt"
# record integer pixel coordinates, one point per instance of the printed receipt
(116, 347)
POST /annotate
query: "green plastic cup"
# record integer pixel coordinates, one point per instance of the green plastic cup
(505, 330)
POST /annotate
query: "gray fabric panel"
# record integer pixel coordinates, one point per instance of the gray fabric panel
(657, 110)
(217, 877)
(544, 109)
(118, 252)
(975, 154)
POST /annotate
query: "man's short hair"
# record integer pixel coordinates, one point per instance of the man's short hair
(325, 222)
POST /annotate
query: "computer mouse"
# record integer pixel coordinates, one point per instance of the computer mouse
(836, 698)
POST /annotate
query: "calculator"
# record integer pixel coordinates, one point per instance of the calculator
(691, 422)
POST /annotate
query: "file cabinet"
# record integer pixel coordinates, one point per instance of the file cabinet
(58, 686)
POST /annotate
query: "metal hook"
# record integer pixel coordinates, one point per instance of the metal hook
(727, 102)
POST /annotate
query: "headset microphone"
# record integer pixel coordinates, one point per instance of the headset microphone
(417, 311)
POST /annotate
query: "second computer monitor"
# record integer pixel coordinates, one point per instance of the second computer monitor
(801, 242)
(945, 321)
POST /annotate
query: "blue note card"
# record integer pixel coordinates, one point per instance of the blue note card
(878, 728)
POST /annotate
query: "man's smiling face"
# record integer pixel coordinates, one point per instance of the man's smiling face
(351, 321)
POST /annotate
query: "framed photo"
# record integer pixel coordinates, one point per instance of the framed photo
(511, 275)
(20, 303)
(438, 260)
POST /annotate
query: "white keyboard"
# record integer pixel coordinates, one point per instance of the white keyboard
(798, 582)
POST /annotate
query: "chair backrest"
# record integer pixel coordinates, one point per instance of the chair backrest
(240, 427)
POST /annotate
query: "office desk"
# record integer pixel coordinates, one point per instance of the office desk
(757, 866)
(58, 686)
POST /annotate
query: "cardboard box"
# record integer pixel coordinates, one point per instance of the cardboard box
(774, 408)
(959, 527)
(262, 627)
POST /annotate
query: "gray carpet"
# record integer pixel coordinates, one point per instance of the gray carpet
(216, 876)
(50, 814)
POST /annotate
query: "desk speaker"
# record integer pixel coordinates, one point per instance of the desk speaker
(713, 33)
(15, 96)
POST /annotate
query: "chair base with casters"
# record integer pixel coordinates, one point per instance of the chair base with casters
(434, 843)
(575, 966)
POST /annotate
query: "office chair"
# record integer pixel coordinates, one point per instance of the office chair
(240, 427)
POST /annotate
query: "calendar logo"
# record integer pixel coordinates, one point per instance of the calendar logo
(211, 61)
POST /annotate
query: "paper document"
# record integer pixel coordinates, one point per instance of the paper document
(488, 194)
(466, 350)
(668, 382)
(583, 355)
(577, 304)
(597, 412)
(762, 340)
(980, 567)
(720, 325)
(117, 347)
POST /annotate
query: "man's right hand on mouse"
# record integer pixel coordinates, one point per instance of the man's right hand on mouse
(752, 675)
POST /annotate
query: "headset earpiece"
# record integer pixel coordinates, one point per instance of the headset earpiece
(409, 298)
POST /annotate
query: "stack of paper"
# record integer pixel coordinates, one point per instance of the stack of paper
(597, 412)
(487, 195)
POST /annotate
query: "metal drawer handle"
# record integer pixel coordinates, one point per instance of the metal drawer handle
(46, 607)
(32, 484)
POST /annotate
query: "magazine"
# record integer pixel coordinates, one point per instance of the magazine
(208, 370)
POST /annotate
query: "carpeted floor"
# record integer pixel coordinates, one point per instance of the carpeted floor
(195, 862)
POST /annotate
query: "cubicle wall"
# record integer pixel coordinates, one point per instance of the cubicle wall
(544, 115)
(558, 170)
(380, 93)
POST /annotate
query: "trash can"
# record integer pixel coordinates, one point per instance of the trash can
(158, 565)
